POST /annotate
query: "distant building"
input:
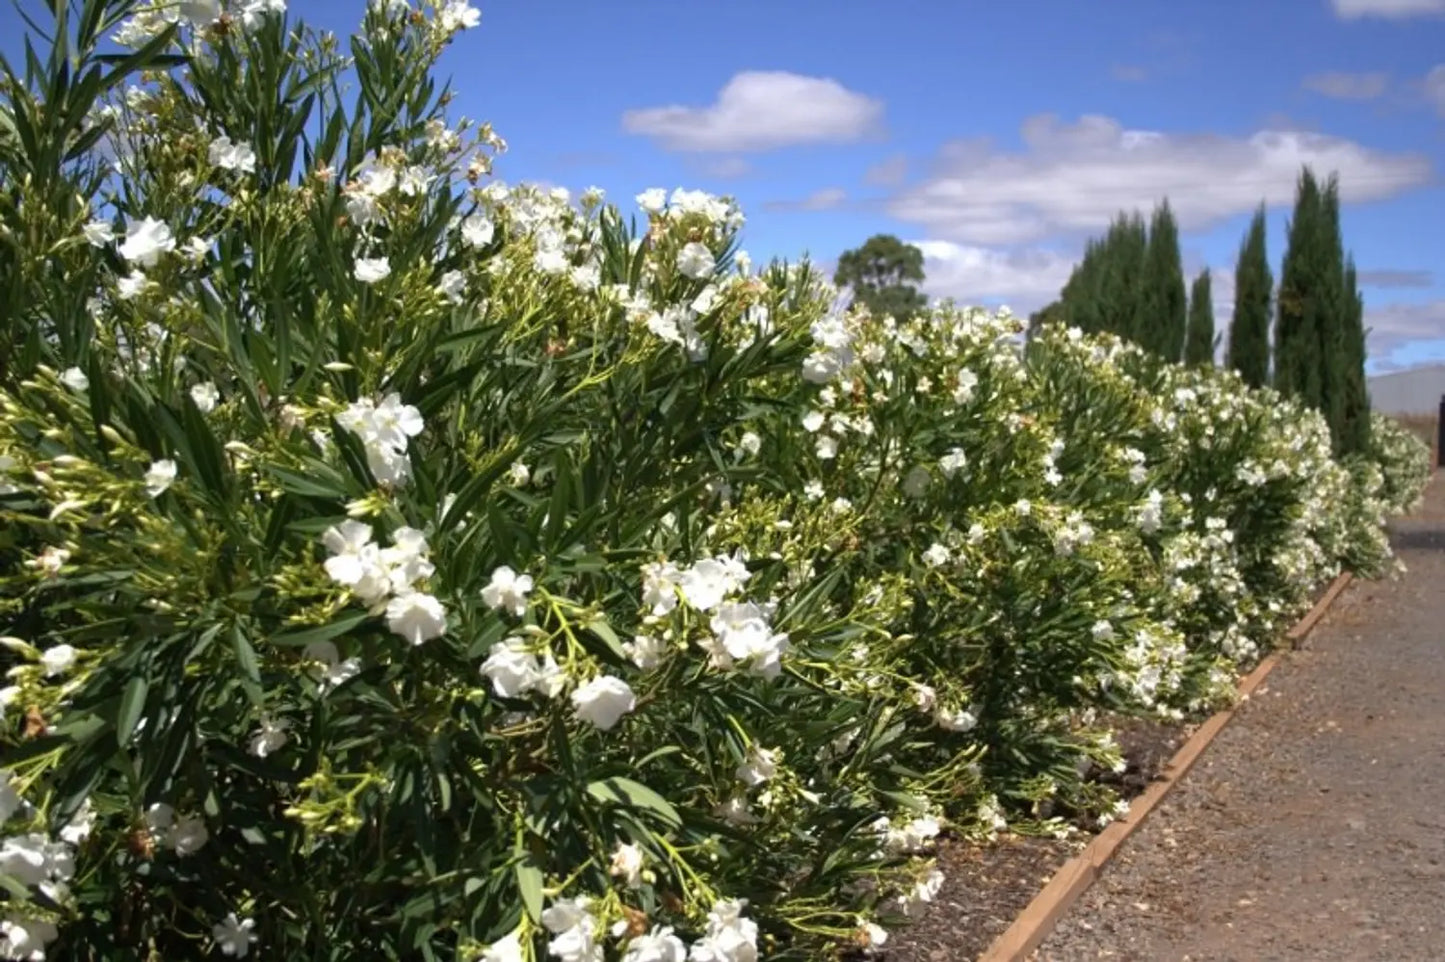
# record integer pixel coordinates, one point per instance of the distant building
(1416, 391)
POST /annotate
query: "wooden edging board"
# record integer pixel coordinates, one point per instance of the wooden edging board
(1076, 875)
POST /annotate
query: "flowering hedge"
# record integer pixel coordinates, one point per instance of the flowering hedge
(398, 564)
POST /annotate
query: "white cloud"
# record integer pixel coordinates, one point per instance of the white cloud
(1348, 86)
(1024, 279)
(725, 168)
(1129, 73)
(1389, 9)
(1073, 178)
(1392, 327)
(1435, 87)
(763, 110)
(825, 199)
(889, 173)
(1395, 278)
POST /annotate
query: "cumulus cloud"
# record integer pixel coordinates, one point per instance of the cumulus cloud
(1221, 292)
(1435, 88)
(725, 168)
(825, 199)
(1388, 9)
(888, 173)
(1025, 279)
(1393, 327)
(1393, 278)
(1028, 278)
(1073, 178)
(1348, 86)
(763, 110)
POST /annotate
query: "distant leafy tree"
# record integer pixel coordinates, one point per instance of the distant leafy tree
(884, 274)
(1199, 344)
(1248, 351)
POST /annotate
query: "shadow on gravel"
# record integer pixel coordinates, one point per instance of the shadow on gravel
(1418, 539)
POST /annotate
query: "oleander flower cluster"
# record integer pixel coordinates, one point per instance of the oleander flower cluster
(403, 563)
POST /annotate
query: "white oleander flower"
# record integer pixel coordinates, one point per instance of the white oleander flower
(627, 864)
(145, 242)
(234, 936)
(659, 945)
(98, 233)
(937, 555)
(508, 949)
(75, 379)
(603, 701)
(512, 669)
(160, 476)
(205, 396)
(416, 616)
(370, 270)
(271, 737)
(478, 230)
(131, 286)
(652, 200)
(58, 659)
(760, 765)
(228, 155)
(508, 591)
(458, 15)
(695, 261)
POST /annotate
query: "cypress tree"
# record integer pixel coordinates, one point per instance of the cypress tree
(1298, 359)
(1253, 286)
(1199, 345)
(1336, 355)
(1114, 289)
(1104, 291)
(1166, 307)
(1078, 301)
(1128, 295)
(1354, 433)
(1050, 314)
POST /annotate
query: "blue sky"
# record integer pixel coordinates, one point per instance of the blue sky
(998, 136)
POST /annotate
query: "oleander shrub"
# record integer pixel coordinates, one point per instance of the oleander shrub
(400, 564)
(1404, 461)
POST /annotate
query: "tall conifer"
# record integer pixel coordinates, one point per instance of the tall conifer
(1248, 351)
(1165, 316)
(1199, 345)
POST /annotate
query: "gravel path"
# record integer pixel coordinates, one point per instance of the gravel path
(1313, 828)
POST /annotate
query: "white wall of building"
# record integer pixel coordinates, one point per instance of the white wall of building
(1416, 391)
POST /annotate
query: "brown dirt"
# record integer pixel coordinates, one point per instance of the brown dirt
(1313, 828)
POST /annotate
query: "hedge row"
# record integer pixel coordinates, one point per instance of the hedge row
(398, 564)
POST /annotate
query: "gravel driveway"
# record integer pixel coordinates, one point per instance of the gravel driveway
(1313, 829)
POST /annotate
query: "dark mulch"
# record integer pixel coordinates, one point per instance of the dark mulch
(1147, 746)
(989, 885)
(986, 887)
